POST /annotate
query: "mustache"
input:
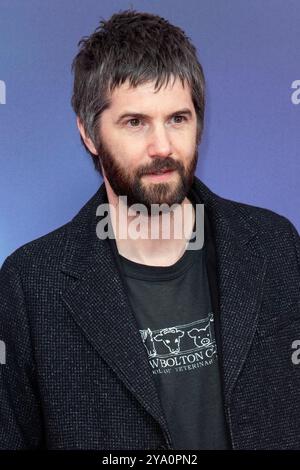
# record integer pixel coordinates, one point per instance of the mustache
(160, 164)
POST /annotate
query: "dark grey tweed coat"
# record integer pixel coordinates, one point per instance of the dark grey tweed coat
(72, 344)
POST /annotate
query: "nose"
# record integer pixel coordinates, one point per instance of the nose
(159, 142)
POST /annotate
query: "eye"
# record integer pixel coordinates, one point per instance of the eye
(134, 121)
(180, 117)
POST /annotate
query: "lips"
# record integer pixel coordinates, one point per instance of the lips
(160, 172)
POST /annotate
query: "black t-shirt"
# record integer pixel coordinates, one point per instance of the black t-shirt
(173, 309)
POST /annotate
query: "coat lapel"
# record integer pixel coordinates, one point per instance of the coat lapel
(99, 304)
(240, 278)
(240, 271)
(97, 298)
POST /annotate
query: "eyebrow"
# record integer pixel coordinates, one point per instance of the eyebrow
(135, 115)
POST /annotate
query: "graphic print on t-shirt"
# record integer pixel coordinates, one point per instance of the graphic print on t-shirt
(182, 347)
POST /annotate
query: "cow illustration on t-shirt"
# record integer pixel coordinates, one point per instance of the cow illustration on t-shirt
(171, 339)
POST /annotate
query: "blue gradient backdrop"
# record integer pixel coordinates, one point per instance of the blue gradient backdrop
(250, 150)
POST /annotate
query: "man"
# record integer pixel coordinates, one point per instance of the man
(146, 342)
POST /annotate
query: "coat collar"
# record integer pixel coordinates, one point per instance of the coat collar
(97, 297)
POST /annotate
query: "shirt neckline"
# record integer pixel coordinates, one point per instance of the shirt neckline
(137, 270)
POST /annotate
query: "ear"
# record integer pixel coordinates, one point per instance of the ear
(87, 140)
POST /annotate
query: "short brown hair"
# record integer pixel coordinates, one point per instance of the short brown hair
(137, 46)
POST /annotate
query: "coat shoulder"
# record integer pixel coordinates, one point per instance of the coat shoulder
(263, 218)
(50, 247)
(276, 232)
(41, 250)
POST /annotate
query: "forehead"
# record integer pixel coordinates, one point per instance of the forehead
(145, 96)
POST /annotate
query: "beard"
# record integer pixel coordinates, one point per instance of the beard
(131, 185)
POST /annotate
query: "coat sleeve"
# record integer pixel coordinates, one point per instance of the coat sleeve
(20, 415)
(296, 242)
(296, 239)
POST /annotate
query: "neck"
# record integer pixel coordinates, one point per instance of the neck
(154, 240)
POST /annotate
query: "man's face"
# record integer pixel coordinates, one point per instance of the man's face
(143, 133)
